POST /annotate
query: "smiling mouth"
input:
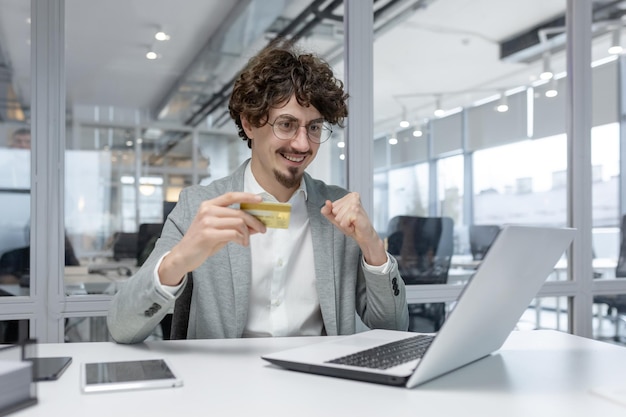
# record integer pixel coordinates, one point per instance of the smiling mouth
(292, 158)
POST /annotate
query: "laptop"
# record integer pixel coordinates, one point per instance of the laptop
(491, 304)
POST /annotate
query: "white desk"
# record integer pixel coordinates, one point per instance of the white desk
(537, 373)
(460, 276)
(79, 281)
(604, 265)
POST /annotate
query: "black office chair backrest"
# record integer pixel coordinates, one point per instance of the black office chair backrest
(146, 238)
(15, 262)
(124, 245)
(180, 315)
(423, 247)
(481, 237)
(620, 269)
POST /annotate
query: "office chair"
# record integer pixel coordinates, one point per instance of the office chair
(124, 245)
(423, 247)
(180, 315)
(146, 238)
(616, 303)
(15, 262)
(481, 237)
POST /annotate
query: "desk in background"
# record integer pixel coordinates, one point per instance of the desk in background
(96, 278)
(80, 281)
(537, 373)
(605, 266)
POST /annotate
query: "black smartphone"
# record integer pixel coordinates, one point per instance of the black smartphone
(49, 369)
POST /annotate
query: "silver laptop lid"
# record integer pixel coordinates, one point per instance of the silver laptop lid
(509, 277)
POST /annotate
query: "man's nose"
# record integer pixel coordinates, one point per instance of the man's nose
(301, 140)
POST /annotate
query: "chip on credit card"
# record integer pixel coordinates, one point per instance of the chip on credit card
(274, 215)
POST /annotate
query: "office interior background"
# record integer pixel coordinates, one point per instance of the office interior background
(460, 109)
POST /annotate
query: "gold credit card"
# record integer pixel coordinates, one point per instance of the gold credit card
(275, 215)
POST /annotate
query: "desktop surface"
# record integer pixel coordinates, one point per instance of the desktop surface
(536, 373)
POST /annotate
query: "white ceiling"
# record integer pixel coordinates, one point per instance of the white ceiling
(450, 47)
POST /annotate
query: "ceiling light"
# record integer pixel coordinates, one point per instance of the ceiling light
(151, 55)
(161, 36)
(503, 103)
(404, 123)
(552, 90)
(147, 189)
(438, 110)
(547, 70)
(342, 157)
(393, 140)
(616, 47)
(341, 144)
(420, 127)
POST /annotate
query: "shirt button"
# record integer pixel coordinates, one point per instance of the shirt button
(279, 262)
(275, 302)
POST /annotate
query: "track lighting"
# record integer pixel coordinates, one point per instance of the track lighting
(616, 47)
(547, 73)
(404, 123)
(438, 110)
(420, 128)
(503, 103)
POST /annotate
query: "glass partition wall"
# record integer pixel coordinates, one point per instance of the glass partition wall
(466, 126)
(494, 150)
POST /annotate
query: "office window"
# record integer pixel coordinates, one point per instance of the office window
(545, 313)
(605, 171)
(523, 182)
(450, 188)
(408, 191)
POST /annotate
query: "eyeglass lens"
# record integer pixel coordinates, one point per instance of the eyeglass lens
(286, 128)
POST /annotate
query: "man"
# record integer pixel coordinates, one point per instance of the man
(20, 139)
(253, 281)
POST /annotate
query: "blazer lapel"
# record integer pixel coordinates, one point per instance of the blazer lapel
(240, 265)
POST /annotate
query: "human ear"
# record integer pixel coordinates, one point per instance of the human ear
(247, 126)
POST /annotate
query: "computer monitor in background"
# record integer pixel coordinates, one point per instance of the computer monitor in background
(482, 237)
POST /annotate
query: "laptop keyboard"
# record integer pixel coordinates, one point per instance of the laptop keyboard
(388, 355)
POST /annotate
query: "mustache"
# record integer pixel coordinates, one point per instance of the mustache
(292, 151)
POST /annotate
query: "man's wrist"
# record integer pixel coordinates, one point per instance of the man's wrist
(168, 272)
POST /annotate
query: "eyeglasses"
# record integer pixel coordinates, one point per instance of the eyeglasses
(286, 128)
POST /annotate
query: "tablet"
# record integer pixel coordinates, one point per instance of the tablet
(49, 369)
(128, 375)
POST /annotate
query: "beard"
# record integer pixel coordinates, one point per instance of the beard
(291, 180)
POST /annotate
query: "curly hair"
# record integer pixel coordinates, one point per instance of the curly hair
(279, 72)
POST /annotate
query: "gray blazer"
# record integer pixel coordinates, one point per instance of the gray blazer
(221, 285)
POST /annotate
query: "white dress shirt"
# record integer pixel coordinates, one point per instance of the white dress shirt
(283, 296)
